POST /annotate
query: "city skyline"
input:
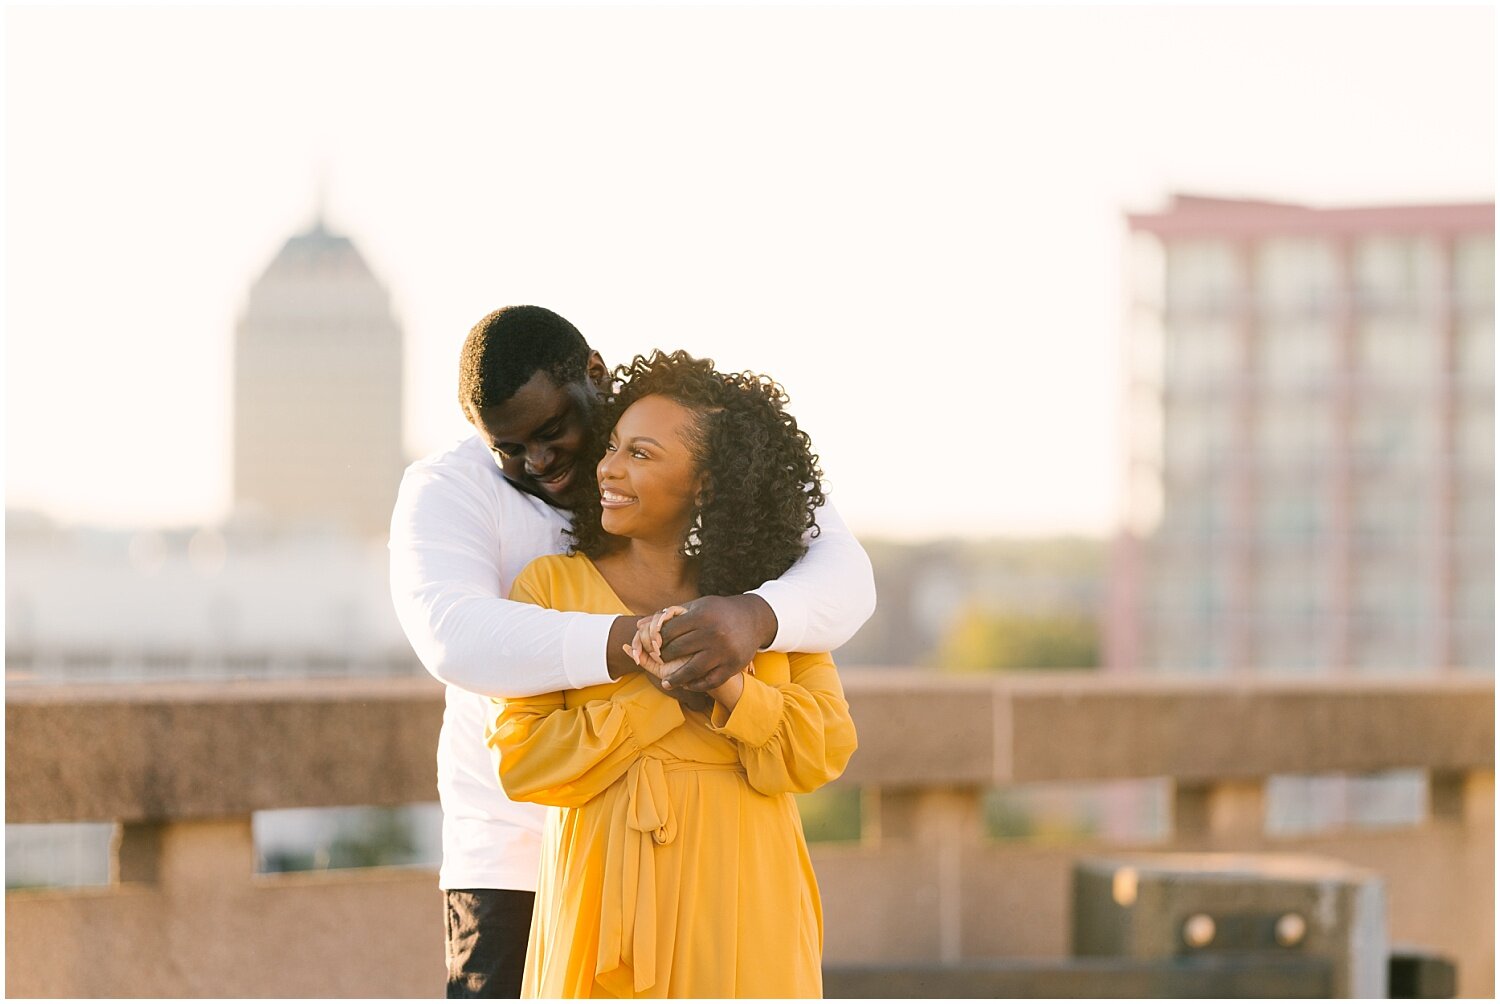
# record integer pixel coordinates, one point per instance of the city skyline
(921, 238)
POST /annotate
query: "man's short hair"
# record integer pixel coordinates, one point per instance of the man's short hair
(510, 346)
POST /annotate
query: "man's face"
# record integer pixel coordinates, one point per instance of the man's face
(541, 437)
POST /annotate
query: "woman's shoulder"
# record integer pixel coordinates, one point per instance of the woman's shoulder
(559, 581)
(558, 564)
(542, 575)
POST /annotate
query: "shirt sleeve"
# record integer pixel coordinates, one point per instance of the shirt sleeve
(827, 595)
(445, 547)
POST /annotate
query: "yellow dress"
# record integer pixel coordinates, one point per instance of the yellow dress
(675, 866)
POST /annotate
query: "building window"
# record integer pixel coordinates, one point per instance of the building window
(1197, 432)
(1474, 515)
(1474, 276)
(1392, 513)
(1295, 279)
(1394, 350)
(1201, 353)
(1292, 509)
(1296, 353)
(1294, 432)
(1395, 431)
(1476, 433)
(1202, 278)
(1475, 354)
(1395, 275)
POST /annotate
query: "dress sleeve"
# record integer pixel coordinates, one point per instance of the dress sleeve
(556, 755)
(794, 736)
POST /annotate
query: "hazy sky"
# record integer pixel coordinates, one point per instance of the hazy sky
(911, 217)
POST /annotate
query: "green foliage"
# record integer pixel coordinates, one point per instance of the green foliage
(922, 585)
(830, 814)
(1050, 817)
(387, 841)
(980, 639)
(381, 837)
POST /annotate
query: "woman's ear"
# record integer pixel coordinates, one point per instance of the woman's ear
(704, 493)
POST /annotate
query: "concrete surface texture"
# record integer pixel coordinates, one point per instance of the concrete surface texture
(183, 766)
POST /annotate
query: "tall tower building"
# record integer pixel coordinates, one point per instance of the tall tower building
(317, 391)
(1311, 476)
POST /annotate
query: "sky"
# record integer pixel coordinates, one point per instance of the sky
(911, 217)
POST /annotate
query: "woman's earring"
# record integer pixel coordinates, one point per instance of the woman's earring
(694, 542)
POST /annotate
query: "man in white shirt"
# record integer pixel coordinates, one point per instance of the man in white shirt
(467, 520)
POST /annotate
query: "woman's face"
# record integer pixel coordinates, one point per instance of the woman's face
(648, 481)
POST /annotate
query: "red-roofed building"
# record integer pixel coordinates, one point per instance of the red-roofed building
(1311, 457)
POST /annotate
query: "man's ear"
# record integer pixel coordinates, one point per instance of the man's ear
(599, 373)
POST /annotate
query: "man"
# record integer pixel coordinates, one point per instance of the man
(467, 520)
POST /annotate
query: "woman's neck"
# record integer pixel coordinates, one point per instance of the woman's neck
(649, 576)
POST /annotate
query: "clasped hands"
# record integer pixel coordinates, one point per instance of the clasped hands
(697, 679)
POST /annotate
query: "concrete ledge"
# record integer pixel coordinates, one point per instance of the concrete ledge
(132, 752)
(199, 750)
(186, 763)
(1085, 978)
(927, 728)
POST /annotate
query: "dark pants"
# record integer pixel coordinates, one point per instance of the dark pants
(487, 934)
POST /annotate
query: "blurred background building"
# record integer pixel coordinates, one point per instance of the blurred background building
(295, 582)
(293, 585)
(317, 391)
(1311, 459)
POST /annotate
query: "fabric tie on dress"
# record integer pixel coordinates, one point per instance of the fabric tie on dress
(628, 923)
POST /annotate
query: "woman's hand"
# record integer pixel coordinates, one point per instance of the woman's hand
(719, 636)
(728, 693)
(645, 651)
(645, 648)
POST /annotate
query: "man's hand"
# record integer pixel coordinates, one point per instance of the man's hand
(640, 654)
(714, 638)
(621, 634)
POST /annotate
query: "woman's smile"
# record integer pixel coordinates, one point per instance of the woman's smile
(648, 477)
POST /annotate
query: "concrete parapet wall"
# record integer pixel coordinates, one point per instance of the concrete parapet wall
(146, 751)
(171, 751)
(184, 765)
(203, 925)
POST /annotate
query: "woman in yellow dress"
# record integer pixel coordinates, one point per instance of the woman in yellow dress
(675, 865)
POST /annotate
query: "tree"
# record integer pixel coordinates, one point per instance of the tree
(980, 639)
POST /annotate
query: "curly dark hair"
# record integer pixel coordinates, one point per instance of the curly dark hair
(764, 484)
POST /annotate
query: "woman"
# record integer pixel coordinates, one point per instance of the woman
(677, 866)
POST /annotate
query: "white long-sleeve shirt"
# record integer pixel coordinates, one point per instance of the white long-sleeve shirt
(460, 534)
